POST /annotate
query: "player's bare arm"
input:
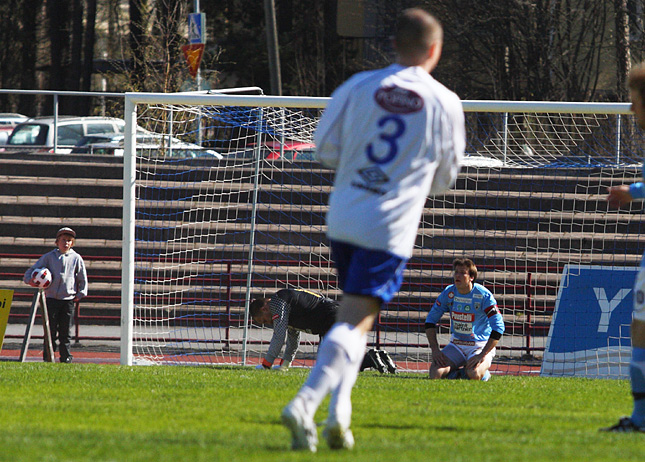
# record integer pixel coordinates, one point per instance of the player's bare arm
(438, 358)
(619, 196)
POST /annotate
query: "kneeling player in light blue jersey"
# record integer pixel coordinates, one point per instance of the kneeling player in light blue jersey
(476, 326)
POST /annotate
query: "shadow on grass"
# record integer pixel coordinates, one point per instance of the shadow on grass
(441, 428)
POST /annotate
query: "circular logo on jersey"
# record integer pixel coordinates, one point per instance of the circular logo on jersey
(451, 295)
(398, 100)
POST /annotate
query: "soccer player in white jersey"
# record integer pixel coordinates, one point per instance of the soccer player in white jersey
(621, 195)
(476, 325)
(394, 135)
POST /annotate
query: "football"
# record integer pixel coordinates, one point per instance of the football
(42, 277)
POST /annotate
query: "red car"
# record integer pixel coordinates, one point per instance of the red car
(291, 150)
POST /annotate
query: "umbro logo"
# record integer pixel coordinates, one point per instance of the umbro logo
(373, 175)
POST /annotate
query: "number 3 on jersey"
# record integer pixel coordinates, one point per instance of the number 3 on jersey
(393, 127)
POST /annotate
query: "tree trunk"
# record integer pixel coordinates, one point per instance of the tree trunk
(58, 14)
(138, 12)
(29, 13)
(74, 71)
(88, 51)
(273, 50)
(623, 58)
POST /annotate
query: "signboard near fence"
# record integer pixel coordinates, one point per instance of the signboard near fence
(590, 328)
(6, 298)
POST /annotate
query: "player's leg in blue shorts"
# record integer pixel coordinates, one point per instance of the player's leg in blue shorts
(367, 272)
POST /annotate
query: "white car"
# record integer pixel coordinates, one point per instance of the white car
(37, 134)
(8, 120)
(12, 119)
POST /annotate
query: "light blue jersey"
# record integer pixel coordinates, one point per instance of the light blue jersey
(637, 191)
(472, 316)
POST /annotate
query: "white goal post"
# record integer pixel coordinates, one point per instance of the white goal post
(229, 205)
(194, 100)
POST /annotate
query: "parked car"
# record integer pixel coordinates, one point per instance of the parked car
(12, 119)
(38, 133)
(157, 143)
(291, 150)
(5, 132)
(8, 120)
(97, 143)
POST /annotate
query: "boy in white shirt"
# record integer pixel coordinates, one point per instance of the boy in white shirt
(68, 285)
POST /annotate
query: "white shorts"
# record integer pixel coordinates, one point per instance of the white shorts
(639, 296)
(460, 352)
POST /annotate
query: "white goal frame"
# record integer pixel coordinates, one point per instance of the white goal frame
(132, 100)
(129, 181)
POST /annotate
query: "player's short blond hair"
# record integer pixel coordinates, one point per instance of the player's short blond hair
(416, 31)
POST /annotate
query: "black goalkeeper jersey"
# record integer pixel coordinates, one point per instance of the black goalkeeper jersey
(294, 311)
(309, 312)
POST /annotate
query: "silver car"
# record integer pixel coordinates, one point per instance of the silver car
(155, 144)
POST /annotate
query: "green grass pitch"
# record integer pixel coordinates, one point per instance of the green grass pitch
(54, 412)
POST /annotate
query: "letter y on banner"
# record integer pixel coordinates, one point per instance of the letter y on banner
(608, 306)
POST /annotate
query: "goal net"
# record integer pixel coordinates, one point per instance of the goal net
(224, 203)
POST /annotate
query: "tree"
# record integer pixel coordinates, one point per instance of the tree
(70, 27)
(139, 15)
(27, 46)
(524, 50)
(237, 39)
(155, 45)
(9, 56)
(58, 22)
(89, 41)
(623, 58)
(313, 58)
(494, 49)
(636, 42)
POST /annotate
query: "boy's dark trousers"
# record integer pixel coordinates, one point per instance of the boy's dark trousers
(60, 320)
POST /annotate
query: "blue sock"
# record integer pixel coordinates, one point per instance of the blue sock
(637, 375)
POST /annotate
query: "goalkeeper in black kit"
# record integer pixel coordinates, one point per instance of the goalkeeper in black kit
(292, 311)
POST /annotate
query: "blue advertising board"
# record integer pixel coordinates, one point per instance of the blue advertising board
(589, 332)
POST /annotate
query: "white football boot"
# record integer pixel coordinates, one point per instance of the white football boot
(337, 436)
(304, 434)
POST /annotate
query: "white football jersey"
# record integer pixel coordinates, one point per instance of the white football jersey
(394, 135)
